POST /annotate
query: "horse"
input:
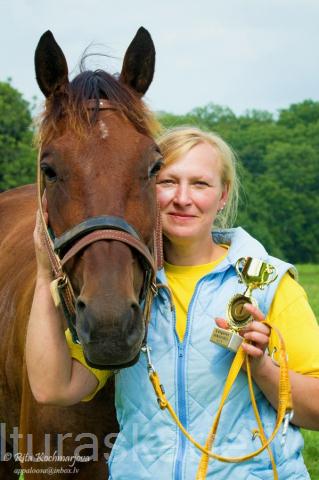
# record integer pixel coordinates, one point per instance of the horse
(98, 159)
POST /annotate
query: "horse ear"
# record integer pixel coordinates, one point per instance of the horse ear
(50, 65)
(139, 62)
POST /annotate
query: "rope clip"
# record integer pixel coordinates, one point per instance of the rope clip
(288, 416)
(147, 350)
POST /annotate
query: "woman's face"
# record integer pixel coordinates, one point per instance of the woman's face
(190, 193)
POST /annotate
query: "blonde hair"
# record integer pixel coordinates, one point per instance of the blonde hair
(178, 141)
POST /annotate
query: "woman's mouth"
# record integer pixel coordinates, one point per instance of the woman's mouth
(181, 216)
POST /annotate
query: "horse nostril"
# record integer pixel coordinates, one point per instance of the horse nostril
(80, 305)
(132, 326)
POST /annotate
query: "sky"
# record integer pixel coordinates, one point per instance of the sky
(244, 54)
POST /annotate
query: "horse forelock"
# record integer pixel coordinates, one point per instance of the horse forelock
(67, 110)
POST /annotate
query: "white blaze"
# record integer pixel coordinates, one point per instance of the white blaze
(103, 129)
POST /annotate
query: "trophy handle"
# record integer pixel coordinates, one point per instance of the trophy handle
(271, 270)
(239, 268)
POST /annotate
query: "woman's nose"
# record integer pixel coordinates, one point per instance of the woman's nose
(182, 195)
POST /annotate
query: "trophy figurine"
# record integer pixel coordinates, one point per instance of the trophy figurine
(254, 273)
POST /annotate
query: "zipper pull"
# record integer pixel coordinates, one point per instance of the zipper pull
(180, 350)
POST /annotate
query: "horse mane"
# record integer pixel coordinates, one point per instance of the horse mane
(66, 108)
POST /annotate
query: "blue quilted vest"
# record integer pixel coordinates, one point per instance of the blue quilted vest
(149, 445)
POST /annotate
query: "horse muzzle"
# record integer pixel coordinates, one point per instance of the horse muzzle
(120, 335)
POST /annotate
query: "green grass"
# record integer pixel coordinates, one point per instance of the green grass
(309, 279)
(311, 452)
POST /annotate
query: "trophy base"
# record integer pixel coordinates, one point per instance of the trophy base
(226, 338)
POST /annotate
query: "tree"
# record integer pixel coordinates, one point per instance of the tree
(293, 202)
(17, 157)
(304, 113)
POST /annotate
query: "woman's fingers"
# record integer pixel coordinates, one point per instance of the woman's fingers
(259, 339)
(43, 262)
(256, 334)
(256, 330)
(44, 202)
(256, 326)
(254, 311)
(252, 350)
(222, 323)
(38, 233)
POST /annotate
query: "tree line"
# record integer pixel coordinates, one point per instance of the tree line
(17, 155)
(278, 158)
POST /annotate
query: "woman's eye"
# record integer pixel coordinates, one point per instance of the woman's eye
(201, 183)
(165, 181)
(49, 173)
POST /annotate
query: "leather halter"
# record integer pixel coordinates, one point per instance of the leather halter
(61, 249)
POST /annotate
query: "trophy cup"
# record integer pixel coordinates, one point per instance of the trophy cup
(254, 273)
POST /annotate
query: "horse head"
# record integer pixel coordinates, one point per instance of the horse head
(98, 160)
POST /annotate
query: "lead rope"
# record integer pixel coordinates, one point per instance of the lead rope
(202, 469)
(284, 411)
(158, 240)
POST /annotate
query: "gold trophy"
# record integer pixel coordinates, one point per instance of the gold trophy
(254, 273)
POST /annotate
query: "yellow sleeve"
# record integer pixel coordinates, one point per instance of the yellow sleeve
(76, 352)
(291, 313)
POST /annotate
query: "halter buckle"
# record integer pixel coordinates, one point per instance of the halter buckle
(55, 286)
(154, 288)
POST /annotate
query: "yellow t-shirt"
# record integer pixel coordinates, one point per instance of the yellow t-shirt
(182, 282)
(290, 312)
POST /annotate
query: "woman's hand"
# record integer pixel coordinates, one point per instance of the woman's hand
(43, 262)
(257, 335)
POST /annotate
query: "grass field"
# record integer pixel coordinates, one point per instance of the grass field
(309, 279)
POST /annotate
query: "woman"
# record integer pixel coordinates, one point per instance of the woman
(197, 188)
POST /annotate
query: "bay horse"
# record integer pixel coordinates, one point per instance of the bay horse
(96, 163)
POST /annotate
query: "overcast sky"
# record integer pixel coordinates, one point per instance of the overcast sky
(243, 54)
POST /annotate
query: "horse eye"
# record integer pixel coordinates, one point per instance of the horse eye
(155, 168)
(49, 173)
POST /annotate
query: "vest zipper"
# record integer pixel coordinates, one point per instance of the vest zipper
(181, 392)
(181, 412)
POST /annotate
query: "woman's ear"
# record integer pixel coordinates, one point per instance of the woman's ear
(224, 196)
